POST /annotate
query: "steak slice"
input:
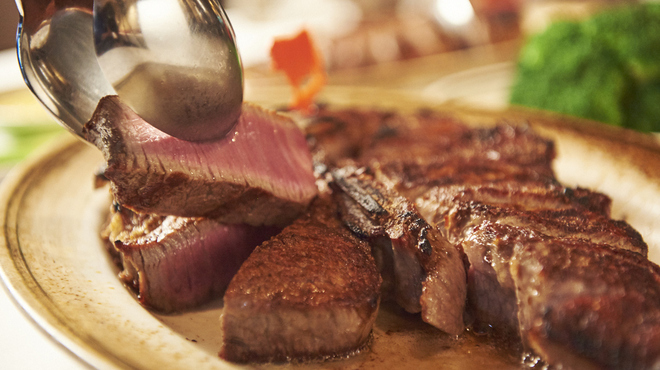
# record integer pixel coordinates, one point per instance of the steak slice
(261, 173)
(428, 273)
(312, 291)
(555, 220)
(547, 264)
(414, 179)
(488, 221)
(423, 139)
(492, 303)
(588, 306)
(503, 143)
(176, 263)
(436, 203)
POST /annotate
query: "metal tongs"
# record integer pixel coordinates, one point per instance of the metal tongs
(174, 62)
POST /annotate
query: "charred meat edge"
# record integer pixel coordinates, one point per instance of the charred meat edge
(427, 273)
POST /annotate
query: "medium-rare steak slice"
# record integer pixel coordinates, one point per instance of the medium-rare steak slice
(428, 273)
(588, 306)
(312, 291)
(176, 263)
(261, 173)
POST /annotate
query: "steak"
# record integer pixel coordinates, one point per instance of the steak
(260, 174)
(426, 273)
(416, 153)
(490, 247)
(556, 211)
(460, 224)
(176, 263)
(312, 291)
(547, 265)
(587, 305)
(439, 200)
(424, 137)
(487, 221)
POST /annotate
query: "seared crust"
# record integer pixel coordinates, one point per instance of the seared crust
(564, 223)
(492, 191)
(588, 303)
(420, 140)
(436, 203)
(312, 291)
(554, 211)
(427, 273)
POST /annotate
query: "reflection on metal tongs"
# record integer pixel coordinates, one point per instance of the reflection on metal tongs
(174, 62)
(56, 54)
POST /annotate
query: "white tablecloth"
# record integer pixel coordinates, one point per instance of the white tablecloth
(24, 345)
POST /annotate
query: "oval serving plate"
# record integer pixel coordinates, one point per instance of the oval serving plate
(55, 264)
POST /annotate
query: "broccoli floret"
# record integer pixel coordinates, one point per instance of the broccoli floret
(606, 68)
(633, 32)
(643, 107)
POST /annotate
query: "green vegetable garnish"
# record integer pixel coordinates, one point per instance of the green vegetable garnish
(606, 68)
(16, 142)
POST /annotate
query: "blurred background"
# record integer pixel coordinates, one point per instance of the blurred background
(8, 22)
(451, 50)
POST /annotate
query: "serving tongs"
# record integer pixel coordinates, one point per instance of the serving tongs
(174, 62)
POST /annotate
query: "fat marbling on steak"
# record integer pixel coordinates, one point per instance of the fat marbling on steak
(312, 291)
(177, 263)
(261, 173)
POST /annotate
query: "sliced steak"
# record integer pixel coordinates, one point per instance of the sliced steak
(261, 173)
(487, 222)
(553, 210)
(502, 143)
(492, 302)
(547, 264)
(428, 273)
(335, 135)
(423, 139)
(312, 291)
(555, 220)
(176, 263)
(588, 306)
(414, 180)
(439, 200)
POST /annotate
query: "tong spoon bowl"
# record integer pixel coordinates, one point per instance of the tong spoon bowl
(174, 62)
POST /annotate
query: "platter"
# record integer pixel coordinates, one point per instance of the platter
(55, 265)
